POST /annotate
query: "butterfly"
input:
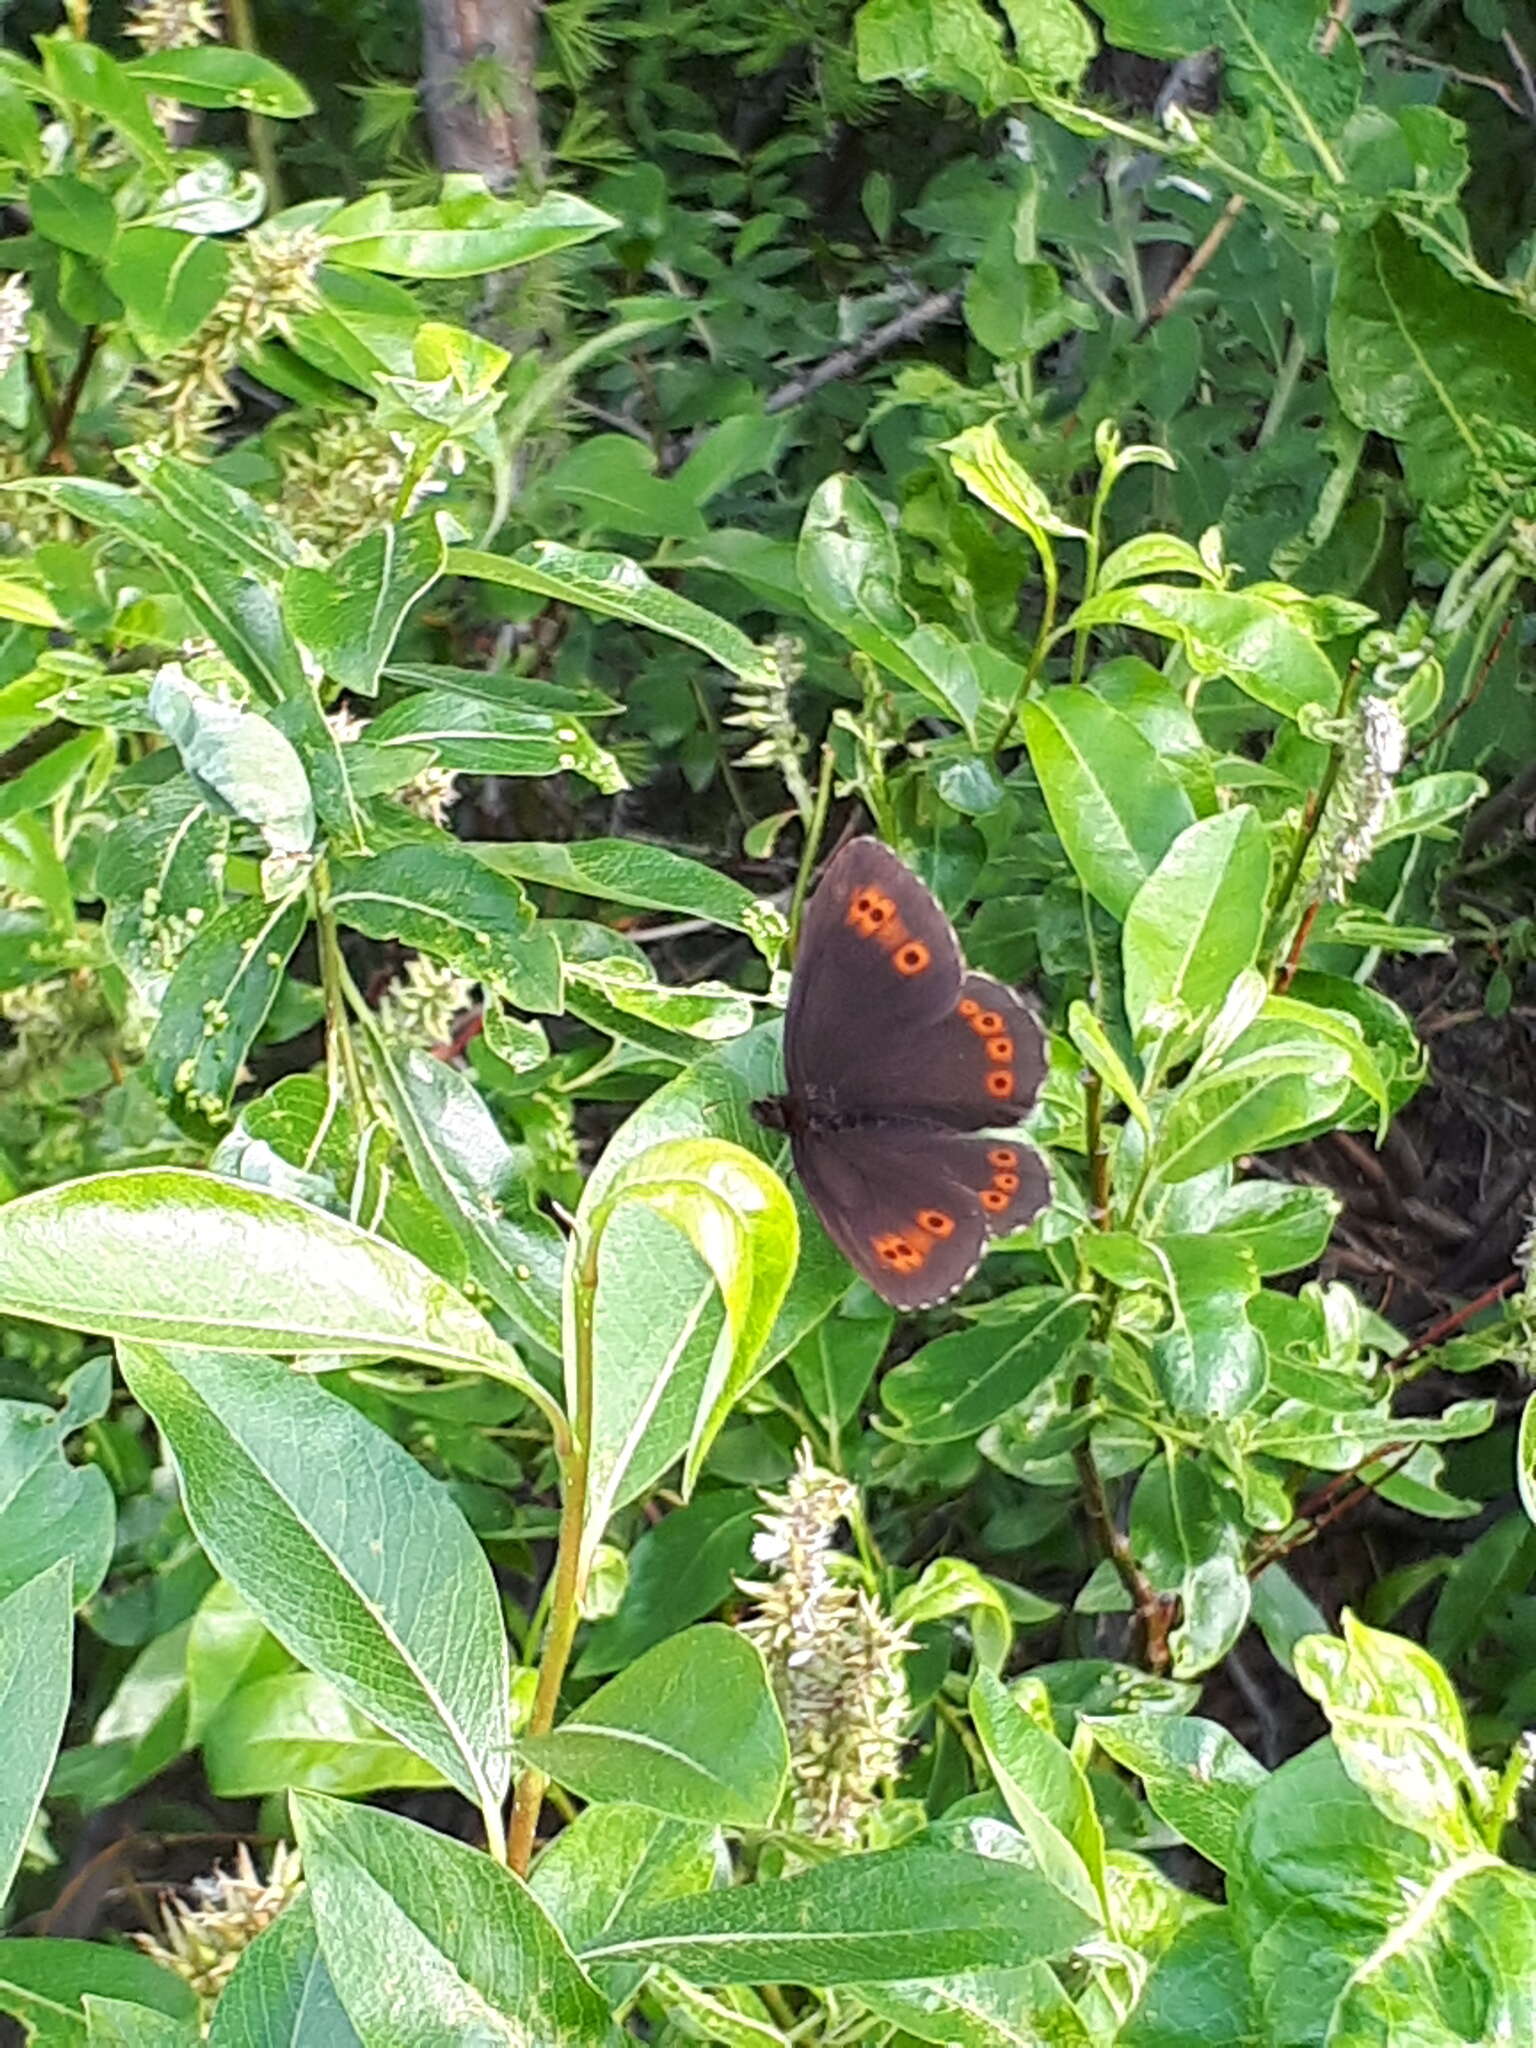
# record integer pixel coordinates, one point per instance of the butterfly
(903, 1071)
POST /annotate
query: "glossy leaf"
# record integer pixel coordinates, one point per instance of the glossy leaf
(43, 1984)
(475, 736)
(214, 75)
(614, 587)
(297, 1730)
(859, 1917)
(36, 1649)
(468, 236)
(236, 757)
(168, 282)
(1044, 1791)
(355, 1560)
(1197, 1777)
(1227, 633)
(613, 1861)
(715, 1235)
(1197, 921)
(465, 1167)
(281, 1994)
(1116, 806)
(628, 871)
(690, 1729)
(953, 1388)
(681, 1569)
(50, 1508)
(218, 997)
(429, 1941)
(349, 613)
(1398, 1728)
(185, 1258)
(434, 895)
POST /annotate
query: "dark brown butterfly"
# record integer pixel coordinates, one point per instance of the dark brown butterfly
(900, 1064)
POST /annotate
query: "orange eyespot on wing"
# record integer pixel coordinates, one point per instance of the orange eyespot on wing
(1006, 1183)
(994, 1201)
(870, 912)
(1000, 1083)
(986, 1024)
(1001, 1157)
(892, 1248)
(999, 1048)
(936, 1222)
(968, 1007)
(912, 958)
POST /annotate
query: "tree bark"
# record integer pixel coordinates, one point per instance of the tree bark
(477, 87)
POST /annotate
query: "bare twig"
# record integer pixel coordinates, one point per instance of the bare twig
(847, 362)
(1226, 221)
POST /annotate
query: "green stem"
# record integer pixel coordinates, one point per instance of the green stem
(565, 1601)
(1051, 577)
(340, 1052)
(261, 133)
(1093, 550)
(1287, 377)
(811, 848)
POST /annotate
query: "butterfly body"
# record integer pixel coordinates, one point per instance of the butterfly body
(905, 1072)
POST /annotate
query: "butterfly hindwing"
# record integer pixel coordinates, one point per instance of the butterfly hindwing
(911, 1206)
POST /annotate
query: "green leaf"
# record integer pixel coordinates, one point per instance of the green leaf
(1279, 1226)
(1399, 1729)
(1196, 922)
(356, 1561)
(434, 1943)
(237, 758)
(281, 1994)
(73, 214)
(1432, 801)
(228, 1647)
(612, 479)
(216, 1001)
(836, 1363)
(465, 1167)
(1045, 1792)
(671, 1231)
(1185, 1539)
(859, 1917)
(83, 74)
(614, 587)
(434, 895)
(1210, 1362)
(690, 1729)
(478, 737)
(44, 1982)
(1437, 365)
(680, 1570)
(467, 236)
(953, 48)
(1227, 633)
(631, 872)
(349, 614)
(1098, 1049)
(1023, 2008)
(1525, 1458)
(987, 468)
(178, 1257)
(1116, 806)
(168, 282)
(850, 573)
(36, 1646)
(50, 1509)
(1272, 1082)
(297, 1730)
(123, 2023)
(1273, 56)
(1200, 1994)
(952, 1389)
(215, 75)
(613, 1861)
(951, 1586)
(1197, 1777)
(1462, 1963)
